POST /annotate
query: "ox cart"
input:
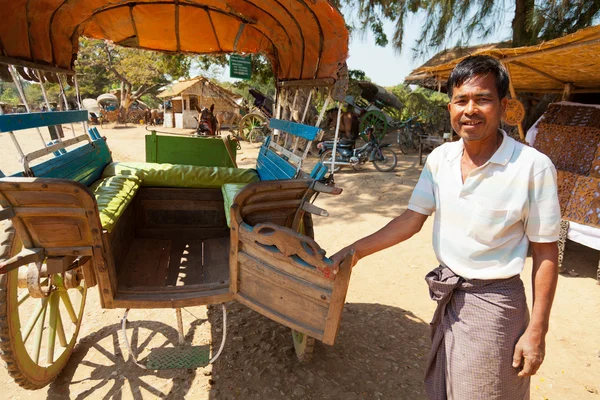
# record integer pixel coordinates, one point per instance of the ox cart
(157, 235)
(375, 107)
(253, 125)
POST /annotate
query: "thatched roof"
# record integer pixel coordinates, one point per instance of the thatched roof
(180, 87)
(545, 68)
(448, 55)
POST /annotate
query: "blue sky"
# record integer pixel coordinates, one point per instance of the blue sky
(383, 64)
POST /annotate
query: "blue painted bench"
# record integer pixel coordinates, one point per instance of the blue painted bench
(276, 162)
(83, 164)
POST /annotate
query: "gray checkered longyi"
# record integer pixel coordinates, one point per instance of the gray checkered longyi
(474, 332)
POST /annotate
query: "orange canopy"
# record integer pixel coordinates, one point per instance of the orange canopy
(303, 39)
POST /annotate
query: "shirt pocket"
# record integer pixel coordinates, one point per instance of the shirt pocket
(486, 224)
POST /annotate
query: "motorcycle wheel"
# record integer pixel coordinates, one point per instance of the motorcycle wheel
(327, 158)
(386, 161)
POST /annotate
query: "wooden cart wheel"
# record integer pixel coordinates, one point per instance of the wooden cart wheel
(37, 335)
(252, 127)
(376, 119)
(304, 346)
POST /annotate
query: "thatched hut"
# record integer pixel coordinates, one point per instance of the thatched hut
(182, 98)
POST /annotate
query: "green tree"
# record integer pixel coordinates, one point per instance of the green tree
(428, 106)
(9, 94)
(262, 79)
(134, 72)
(92, 76)
(533, 21)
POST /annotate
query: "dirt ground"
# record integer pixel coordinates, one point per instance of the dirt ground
(382, 346)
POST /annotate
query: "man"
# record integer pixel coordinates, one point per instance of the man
(493, 198)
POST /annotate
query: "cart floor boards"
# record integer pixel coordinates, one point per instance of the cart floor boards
(160, 263)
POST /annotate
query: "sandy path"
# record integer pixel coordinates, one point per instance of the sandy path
(382, 346)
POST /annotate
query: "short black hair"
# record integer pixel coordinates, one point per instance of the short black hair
(479, 65)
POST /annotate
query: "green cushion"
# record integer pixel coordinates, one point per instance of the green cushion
(230, 190)
(113, 194)
(175, 175)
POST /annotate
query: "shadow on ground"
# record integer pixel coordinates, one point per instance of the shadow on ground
(102, 359)
(380, 353)
(580, 261)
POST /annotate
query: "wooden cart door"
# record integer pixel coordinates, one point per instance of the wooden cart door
(285, 276)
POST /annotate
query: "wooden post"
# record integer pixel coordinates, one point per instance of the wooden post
(567, 92)
(306, 107)
(64, 96)
(337, 134)
(513, 95)
(14, 139)
(54, 132)
(322, 113)
(17, 83)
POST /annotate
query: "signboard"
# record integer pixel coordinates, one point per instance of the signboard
(240, 66)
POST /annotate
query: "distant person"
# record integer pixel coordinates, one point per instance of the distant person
(493, 198)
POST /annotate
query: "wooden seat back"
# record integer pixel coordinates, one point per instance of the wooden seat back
(83, 164)
(57, 221)
(281, 160)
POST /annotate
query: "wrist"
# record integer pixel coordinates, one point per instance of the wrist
(537, 330)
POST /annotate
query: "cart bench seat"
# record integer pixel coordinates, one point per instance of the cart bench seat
(121, 181)
(276, 163)
(183, 176)
(230, 190)
(113, 195)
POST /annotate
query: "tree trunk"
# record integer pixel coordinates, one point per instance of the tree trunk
(522, 35)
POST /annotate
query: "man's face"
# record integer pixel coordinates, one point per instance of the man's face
(475, 108)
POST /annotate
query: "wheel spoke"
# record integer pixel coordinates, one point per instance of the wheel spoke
(60, 330)
(39, 329)
(68, 305)
(52, 320)
(39, 308)
(23, 298)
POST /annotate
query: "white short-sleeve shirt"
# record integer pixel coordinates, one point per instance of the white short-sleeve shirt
(482, 228)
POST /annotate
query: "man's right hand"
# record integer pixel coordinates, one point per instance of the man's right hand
(339, 257)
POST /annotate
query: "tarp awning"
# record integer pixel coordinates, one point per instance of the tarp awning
(548, 67)
(302, 39)
(372, 92)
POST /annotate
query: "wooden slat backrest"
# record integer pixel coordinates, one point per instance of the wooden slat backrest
(15, 122)
(307, 132)
(83, 164)
(56, 217)
(276, 161)
(281, 273)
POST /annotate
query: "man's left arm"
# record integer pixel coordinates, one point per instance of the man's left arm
(542, 228)
(530, 349)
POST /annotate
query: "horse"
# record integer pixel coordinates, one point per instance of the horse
(156, 116)
(207, 123)
(349, 123)
(226, 117)
(148, 117)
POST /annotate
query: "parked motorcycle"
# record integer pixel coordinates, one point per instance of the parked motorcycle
(381, 155)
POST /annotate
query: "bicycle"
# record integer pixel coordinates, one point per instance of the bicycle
(408, 134)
